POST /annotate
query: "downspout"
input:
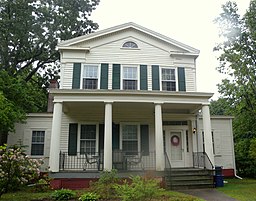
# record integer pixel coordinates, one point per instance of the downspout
(233, 150)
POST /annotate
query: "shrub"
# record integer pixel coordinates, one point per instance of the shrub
(16, 169)
(89, 197)
(104, 187)
(139, 189)
(63, 194)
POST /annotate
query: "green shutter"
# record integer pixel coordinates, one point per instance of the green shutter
(144, 132)
(101, 137)
(143, 77)
(155, 78)
(181, 79)
(76, 76)
(72, 139)
(115, 136)
(104, 76)
(116, 76)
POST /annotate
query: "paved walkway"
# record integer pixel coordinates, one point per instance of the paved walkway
(209, 194)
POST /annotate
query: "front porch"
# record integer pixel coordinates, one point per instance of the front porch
(123, 162)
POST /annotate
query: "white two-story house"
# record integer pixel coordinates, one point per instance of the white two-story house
(128, 101)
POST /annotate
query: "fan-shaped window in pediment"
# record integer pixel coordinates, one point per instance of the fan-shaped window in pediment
(130, 44)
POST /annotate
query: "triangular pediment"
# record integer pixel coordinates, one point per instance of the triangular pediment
(86, 42)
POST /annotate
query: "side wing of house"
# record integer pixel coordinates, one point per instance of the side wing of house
(35, 135)
(223, 145)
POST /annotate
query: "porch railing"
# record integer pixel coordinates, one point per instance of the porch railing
(202, 160)
(127, 161)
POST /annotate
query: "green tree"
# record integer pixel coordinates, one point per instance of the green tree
(238, 62)
(29, 33)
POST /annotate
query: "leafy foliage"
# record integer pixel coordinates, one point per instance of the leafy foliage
(138, 189)
(16, 169)
(238, 62)
(63, 194)
(89, 197)
(105, 186)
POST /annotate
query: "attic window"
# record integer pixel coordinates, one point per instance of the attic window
(130, 44)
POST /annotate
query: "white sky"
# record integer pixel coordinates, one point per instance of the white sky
(187, 21)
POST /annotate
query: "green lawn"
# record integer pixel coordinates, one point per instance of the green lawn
(243, 190)
(27, 196)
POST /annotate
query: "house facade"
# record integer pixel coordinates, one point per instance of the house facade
(127, 100)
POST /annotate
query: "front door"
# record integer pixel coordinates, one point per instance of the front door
(174, 147)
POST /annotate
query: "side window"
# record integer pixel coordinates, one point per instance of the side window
(37, 145)
(90, 76)
(168, 79)
(130, 78)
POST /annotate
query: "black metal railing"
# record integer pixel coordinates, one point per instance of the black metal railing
(81, 161)
(202, 160)
(128, 161)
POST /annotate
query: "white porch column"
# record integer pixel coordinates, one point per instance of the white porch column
(55, 138)
(207, 133)
(159, 140)
(108, 137)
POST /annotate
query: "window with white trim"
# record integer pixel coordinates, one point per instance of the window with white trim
(90, 76)
(168, 77)
(88, 139)
(130, 139)
(37, 145)
(130, 44)
(130, 78)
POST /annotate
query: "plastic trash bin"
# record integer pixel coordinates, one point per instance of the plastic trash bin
(218, 180)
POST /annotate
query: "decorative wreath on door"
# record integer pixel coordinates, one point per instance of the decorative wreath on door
(175, 140)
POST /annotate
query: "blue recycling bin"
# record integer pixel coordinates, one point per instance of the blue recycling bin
(218, 178)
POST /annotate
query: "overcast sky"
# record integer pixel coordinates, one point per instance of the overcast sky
(188, 21)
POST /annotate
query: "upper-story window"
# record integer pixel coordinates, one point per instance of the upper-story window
(130, 44)
(168, 79)
(130, 78)
(90, 76)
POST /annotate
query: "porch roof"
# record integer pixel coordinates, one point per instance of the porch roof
(188, 102)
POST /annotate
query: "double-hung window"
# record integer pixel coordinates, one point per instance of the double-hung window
(37, 146)
(130, 139)
(130, 78)
(90, 76)
(168, 79)
(88, 139)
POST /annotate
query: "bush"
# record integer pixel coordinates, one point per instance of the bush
(140, 189)
(104, 187)
(63, 194)
(16, 169)
(89, 197)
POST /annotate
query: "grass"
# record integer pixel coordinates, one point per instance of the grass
(28, 195)
(243, 190)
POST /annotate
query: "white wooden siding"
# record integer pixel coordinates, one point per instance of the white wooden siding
(190, 76)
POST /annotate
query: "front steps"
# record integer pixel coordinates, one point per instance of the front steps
(188, 178)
